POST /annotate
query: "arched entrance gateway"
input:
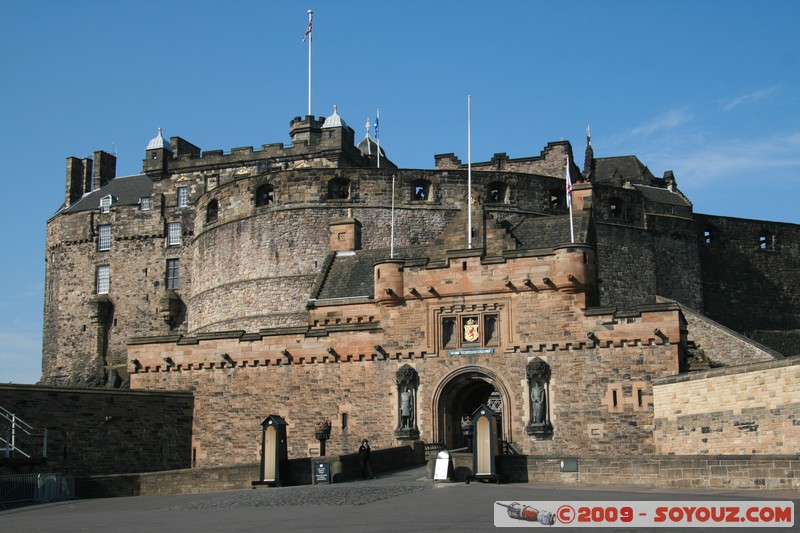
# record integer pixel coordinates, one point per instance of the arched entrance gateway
(459, 395)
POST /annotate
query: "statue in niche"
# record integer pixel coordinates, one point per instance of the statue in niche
(538, 373)
(406, 409)
(537, 403)
(407, 381)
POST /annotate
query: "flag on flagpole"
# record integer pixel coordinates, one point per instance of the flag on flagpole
(307, 34)
(569, 186)
(377, 136)
(569, 202)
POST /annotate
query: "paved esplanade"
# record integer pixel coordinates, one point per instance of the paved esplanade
(403, 501)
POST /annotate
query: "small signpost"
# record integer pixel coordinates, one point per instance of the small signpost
(322, 472)
(442, 466)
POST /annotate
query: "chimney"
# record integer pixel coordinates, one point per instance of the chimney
(345, 234)
(79, 172)
(105, 169)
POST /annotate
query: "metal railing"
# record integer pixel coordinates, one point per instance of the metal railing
(35, 488)
(20, 433)
(432, 448)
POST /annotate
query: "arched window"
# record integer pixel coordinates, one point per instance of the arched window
(338, 189)
(616, 208)
(265, 195)
(421, 190)
(212, 212)
(497, 192)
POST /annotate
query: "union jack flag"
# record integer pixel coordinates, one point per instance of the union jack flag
(569, 186)
(307, 34)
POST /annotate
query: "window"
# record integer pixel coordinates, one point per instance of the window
(105, 203)
(173, 274)
(338, 189)
(497, 193)
(766, 241)
(144, 203)
(183, 196)
(553, 200)
(264, 195)
(103, 279)
(174, 234)
(616, 208)
(490, 330)
(212, 212)
(103, 237)
(421, 190)
(709, 235)
(448, 331)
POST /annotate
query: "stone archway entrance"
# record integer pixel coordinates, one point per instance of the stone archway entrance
(460, 396)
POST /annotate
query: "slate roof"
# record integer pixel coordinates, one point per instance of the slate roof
(351, 275)
(620, 169)
(662, 196)
(543, 232)
(126, 191)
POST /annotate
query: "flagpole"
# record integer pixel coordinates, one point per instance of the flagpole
(569, 203)
(310, 38)
(391, 249)
(378, 139)
(469, 172)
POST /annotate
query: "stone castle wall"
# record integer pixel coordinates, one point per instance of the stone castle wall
(751, 409)
(748, 287)
(95, 431)
(722, 346)
(347, 364)
(254, 266)
(137, 260)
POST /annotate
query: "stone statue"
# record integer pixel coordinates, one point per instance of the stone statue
(406, 409)
(407, 380)
(537, 403)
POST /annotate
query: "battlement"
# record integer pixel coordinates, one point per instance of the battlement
(309, 148)
(549, 162)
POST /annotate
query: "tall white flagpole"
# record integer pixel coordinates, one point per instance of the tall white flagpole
(469, 172)
(310, 38)
(391, 249)
(569, 202)
(378, 137)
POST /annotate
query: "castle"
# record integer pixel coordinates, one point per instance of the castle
(319, 281)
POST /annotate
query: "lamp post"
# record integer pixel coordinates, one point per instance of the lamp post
(322, 434)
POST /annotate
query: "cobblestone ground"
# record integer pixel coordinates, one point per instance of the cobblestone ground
(400, 501)
(345, 494)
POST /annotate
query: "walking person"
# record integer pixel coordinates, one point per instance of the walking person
(363, 460)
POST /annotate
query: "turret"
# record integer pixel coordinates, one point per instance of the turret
(305, 130)
(157, 153)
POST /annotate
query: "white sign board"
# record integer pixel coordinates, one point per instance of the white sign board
(442, 466)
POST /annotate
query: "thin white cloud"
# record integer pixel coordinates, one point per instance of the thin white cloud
(733, 160)
(748, 98)
(664, 122)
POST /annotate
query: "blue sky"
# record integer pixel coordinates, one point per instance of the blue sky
(706, 89)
